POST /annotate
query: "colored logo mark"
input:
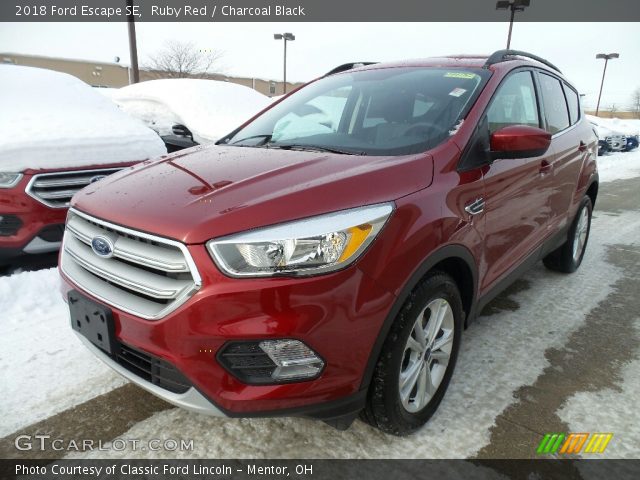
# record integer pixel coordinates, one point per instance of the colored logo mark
(573, 443)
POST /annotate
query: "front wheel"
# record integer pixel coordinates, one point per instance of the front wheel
(418, 358)
(568, 257)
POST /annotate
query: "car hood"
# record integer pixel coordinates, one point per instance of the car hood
(208, 192)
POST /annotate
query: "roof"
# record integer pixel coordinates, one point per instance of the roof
(511, 58)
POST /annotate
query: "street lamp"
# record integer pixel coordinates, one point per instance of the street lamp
(514, 6)
(286, 37)
(606, 57)
(134, 72)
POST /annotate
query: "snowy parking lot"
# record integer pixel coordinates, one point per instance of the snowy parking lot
(554, 353)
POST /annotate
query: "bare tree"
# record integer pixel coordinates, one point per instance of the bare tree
(613, 109)
(635, 102)
(179, 59)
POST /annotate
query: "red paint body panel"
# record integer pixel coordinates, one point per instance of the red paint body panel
(216, 190)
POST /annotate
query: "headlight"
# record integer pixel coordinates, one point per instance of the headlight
(9, 180)
(305, 247)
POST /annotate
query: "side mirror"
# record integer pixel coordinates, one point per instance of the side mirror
(181, 131)
(519, 141)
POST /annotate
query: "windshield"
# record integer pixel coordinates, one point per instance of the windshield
(388, 111)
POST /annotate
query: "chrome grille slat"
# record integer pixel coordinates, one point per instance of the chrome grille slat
(147, 276)
(144, 254)
(125, 275)
(56, 189)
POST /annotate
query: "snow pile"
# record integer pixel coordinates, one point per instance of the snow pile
(619, 165)
(44, 368)
(209, 108)
(54, 120)
(608, 126)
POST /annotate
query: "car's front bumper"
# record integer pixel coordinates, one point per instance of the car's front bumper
(190, 400)
(338, 315)
(39, 228)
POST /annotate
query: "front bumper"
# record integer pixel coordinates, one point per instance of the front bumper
(191, 400)
(39, 228)
(338, 315)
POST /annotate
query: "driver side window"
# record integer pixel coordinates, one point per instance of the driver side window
(514, 103)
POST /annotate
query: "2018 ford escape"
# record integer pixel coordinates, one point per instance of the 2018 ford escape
(323, 259)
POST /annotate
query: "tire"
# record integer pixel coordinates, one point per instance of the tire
(385, 409)
(566, 259)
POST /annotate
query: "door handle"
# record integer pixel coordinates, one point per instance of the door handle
(582, 147)
(545, 167)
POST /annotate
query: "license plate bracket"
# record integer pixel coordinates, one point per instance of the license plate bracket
(93, 321)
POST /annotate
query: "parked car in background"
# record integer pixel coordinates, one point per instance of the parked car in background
(60, 135)
(187, 112)
(324, 258)
(618, 134)
(603, 146)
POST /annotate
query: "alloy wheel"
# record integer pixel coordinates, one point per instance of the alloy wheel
(426, 355)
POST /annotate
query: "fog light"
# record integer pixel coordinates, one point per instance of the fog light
(270, 362)
(293, 359)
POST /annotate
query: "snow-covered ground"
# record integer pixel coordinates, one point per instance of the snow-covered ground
(620, 165)
(51, 119)
(44, 369)
(209, 108)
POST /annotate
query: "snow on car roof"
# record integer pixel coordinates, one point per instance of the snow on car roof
(53, 120)
(209, 108)
(609, 126)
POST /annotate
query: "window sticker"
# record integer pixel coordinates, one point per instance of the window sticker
(457, 92)
(466, 75)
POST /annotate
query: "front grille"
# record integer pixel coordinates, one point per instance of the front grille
(146, 276)
(9, 225)
(152, 369)
(56, 189)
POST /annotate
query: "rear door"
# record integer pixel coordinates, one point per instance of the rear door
(516, 206)
(570, 140)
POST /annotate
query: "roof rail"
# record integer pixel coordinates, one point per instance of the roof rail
(348, 66)
(501, 56)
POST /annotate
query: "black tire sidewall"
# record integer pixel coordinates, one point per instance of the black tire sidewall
(398, 420)
(586, 203)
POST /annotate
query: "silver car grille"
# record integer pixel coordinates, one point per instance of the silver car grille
(146, 276)
(56, 189)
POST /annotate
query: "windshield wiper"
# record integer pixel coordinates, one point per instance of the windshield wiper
(266, 136)
(313, 148)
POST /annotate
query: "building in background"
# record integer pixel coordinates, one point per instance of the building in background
(114, 75)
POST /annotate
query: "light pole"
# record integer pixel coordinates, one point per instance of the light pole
(285, 37)
(134, 73)
(514, 6)
(607, 57)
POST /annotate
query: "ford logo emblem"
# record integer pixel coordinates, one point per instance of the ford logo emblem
(97, 178)
(102, 246)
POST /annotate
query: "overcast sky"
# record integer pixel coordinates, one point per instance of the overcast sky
(249, 48)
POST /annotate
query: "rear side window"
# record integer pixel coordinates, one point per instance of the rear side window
(555, 105)
(574, 103)
(514, 103)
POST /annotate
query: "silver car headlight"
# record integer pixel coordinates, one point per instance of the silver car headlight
(304, 247)
(9, 180)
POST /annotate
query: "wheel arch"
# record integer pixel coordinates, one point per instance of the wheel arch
(455, 260)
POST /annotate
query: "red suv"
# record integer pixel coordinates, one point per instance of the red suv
(323, 259)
